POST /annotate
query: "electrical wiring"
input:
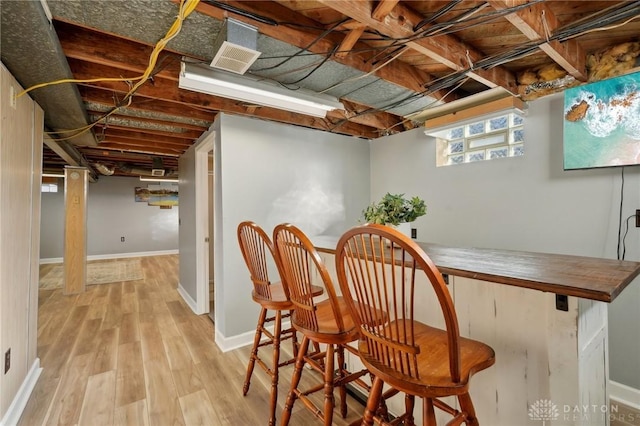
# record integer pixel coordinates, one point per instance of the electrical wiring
(85, 129)
(241, 12)
(186, 7)
(184, 10)
(446, 8)
(300, 68)
(624, 237)
(72, 80)
(299, 52)
(313, 70)
(412, 97)
(620, 213)
(442, 98)
(349, 80)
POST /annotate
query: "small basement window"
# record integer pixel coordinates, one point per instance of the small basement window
(478, 137)
(49, 184)
(49, 187)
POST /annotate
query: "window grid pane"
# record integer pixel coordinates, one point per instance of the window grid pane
(470, 157)
(456, 147)
(488, 139)
(498, 123)
(475, 128)
(456, 159)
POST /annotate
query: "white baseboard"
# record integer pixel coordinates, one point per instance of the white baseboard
(188, 299)
(16, 408)
(624, 394)
(227, 344)
(113, 256)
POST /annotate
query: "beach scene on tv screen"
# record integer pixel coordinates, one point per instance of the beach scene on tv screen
(602, 123)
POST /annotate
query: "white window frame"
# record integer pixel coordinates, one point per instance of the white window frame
(470, 154)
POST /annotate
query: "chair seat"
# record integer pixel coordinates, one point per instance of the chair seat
(279, 300)
(327, 331)
(433, 363)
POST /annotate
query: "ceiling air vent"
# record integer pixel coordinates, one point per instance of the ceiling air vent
(235, 47)
(158, 167)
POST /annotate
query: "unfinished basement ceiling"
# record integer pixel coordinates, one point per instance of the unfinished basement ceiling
(385, 60)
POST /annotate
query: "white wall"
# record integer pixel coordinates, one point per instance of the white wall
(272, 173)
(526, 203)
(187, 222)
(112, 214)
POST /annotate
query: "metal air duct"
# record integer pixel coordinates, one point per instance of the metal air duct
(235, 47)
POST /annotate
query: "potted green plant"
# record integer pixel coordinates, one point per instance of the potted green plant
(395, 210)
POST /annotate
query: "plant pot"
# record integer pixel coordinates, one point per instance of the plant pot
(404, 227)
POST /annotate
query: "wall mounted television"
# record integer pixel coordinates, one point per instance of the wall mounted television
(602, 123)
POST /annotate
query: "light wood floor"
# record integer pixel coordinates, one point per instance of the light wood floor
(133, 353)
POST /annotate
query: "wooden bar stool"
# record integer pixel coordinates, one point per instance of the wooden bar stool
(325, 322)
(258, 252)
(377, 267)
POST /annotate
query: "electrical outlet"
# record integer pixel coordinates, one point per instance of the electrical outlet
(637, 218)
(7, 360)
(562, 302)
(414, 233)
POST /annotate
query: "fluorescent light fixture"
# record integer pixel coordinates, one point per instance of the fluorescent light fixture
(203, 79)
(151, 179)
(53, 175)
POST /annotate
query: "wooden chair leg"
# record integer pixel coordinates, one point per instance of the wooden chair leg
(372, 402)
(428, 414)
(466, 406)
(277, 330)
(254, 350)
(294, 338)
(329, 402)
(343, 387)
(409, 404)
(295, 380)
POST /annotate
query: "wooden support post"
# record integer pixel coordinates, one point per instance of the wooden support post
(75, 229)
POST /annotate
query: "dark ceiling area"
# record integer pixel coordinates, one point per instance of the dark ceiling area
(108, 74)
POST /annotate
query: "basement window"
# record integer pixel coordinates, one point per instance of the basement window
(481, 133)
(49, 184)
(49, 187)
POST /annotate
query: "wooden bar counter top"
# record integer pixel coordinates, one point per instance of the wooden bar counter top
(585, 277)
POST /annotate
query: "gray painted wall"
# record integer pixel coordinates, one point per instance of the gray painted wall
(272, 173)
(187, 221)
(526, 203)
(112, 213)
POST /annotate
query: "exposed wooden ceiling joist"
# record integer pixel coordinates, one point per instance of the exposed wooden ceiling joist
(447, 49)
(538, 22)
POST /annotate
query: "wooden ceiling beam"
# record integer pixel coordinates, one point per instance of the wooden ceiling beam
(400, 73)
(192, 136)
(104, 96)
(140, 134)
(137, 121)
(349, 41)
(123, 64)
(107, 49)
(167, 90)
(174, 147)
(532, 22)
(141, 147)
(380, 120)
(446, 49)
(116, 154)
(383, 8)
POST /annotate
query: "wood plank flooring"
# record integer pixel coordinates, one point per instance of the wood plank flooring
(133, 353)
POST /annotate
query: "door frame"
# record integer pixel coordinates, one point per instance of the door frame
(202, 222)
